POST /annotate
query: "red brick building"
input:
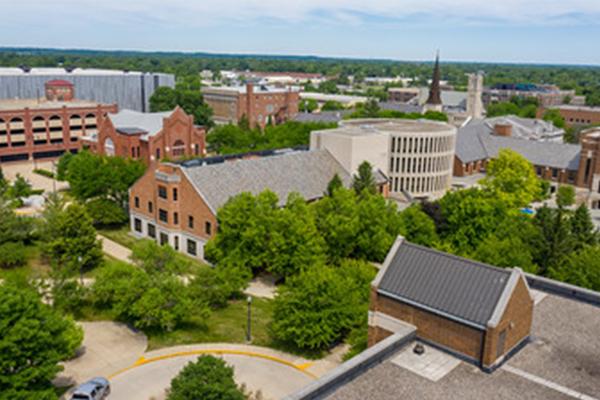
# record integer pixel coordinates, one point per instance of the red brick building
(260, 105)
(177, 203)
(576, 115)
(48, 127)
(148, 137)
(473, 310)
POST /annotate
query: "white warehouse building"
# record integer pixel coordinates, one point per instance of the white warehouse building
(417, 156)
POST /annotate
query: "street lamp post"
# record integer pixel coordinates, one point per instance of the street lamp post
(248, 323)
(79, 261)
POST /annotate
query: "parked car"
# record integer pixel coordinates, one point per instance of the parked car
(94, 389)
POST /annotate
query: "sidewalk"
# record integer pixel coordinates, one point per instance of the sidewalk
(114, 249)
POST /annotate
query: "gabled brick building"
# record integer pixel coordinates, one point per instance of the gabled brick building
(177, 203)
(148, 137)
(478, 312)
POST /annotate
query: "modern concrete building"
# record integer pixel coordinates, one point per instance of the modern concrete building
(149, 137)
(416, 155)
(479, 312)
(128, 89)
(261, 105)
(47, 127)
(177, 203)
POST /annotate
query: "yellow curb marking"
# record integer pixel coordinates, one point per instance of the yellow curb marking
(142, 361)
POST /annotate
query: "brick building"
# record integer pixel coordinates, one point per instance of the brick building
(260, 105)
(576, 115)
(546, 95)
(473, 310)
(48, 127)
(148, 136)
(177, 203)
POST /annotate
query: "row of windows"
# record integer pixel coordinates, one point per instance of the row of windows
(5, 125)
(419, 165)
(162, 193)
(191, 245)
(580, 120)
(571, 175)
(420, 145)
(163, 215)
(417, 185)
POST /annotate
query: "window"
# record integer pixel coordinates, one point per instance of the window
(162, 192)
(176, 242)
(554, 173)
(191, 247)
(137, 224)
(163, 215)
(151, 231)
(164, 238)
(175, 218)
(136, 201)
(175, 194)
(150, 207)
(190, 222)
(207, 228)
(157, 154)
(196, 149)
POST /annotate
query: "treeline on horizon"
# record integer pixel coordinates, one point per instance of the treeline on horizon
(585, 80)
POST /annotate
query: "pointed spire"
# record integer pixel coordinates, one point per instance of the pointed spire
(435, 96)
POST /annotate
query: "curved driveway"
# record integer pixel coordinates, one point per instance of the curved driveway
(273, 373)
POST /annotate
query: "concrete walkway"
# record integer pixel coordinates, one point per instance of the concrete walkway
(114, 249)
(25, 169)
(275, 374)
(262, 286)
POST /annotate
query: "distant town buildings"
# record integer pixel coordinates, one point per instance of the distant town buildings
(177, 203)
(478, 312)
(39, 128)
(127, 89)
(272, 78)
(547, 95)
(344, 99)
(148, 137)
(261, 105)
(416, 156)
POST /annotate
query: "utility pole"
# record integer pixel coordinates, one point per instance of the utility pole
(248, 323)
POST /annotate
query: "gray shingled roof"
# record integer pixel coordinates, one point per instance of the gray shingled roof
(304, 172)
(129, 120)
(476, 141)
(457, 288)
(323, 116)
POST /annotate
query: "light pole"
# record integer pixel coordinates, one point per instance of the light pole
(79, 260)
(248, 323)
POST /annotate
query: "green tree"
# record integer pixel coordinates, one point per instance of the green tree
(581, 268)
(582, 228)
(106, 213)
(154, 258)
(321, 305)
(332, 105)
(417, 227)
(14, 228)
(334, 184)
(379, 225)
(555, 242)
(34, 339)
(188, 96)
(20, 187)
(307, 105)
(63, 165)
(12, 254)
(565, 196)
(338, 222)
(72, 245)
(512, 178)
(215, 286)
(371, 108)
(553, 115)
(364, 180)
(207, 378)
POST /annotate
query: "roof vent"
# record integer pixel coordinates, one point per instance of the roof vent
(419, 349)
(70, 68)
(25, 68)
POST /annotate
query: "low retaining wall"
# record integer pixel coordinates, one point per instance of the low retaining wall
(563, 289)
(354, 367)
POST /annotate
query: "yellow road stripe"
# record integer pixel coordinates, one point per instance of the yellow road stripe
(142, 361)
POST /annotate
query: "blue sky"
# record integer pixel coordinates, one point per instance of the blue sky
(533, 31)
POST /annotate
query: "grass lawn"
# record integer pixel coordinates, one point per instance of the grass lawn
(224, 325)
(120, 235)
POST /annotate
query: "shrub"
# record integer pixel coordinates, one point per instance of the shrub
(106, 212)
(12, 254)
(44, 172)
(207, 378)
(215, 286)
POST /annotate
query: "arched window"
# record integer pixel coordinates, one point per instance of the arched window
(2, 127)
(109, 147)
(90, 121)
(16, 127)
(178, 149)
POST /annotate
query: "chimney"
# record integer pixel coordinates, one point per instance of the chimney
(503, 129)
(250, 103)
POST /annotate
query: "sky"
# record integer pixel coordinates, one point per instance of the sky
(522, 31)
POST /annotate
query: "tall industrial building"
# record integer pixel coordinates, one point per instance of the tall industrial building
(128, 89)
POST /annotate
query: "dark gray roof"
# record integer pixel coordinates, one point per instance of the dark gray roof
(457, 288)
(401, 107)
(305, 172)
(131, 131)
(476, 141)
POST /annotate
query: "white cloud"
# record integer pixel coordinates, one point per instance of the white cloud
(203, 12)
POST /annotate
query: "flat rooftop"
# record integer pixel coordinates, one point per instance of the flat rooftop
(578, 108)
(13, 71)
(384, 126)
(562, 361)
(242, 89)
(42, 104)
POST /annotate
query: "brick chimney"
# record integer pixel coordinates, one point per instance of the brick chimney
(250, 104)
(503, 129)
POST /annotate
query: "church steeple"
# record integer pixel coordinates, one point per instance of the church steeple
(435, 96)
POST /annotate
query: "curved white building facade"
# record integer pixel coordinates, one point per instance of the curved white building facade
(416, 155)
